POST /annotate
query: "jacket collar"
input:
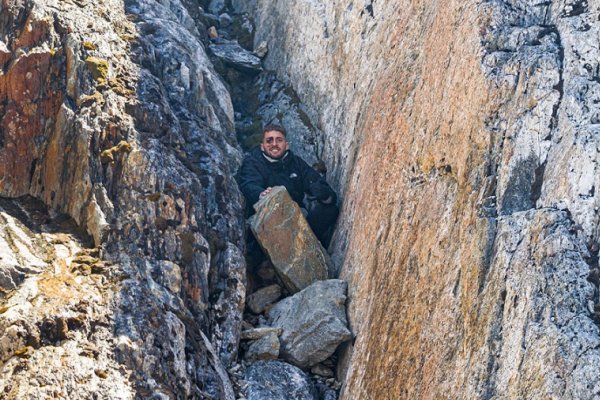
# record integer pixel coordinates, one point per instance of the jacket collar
(274, 160)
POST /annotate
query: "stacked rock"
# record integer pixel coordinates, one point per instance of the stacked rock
(301, 331)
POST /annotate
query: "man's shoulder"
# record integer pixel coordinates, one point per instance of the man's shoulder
(296, 159)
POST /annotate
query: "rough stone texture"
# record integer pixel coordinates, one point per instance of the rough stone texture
(112, 114)
(292, 247)
(463, 139)
(265, 348)
(258, 300)
(313, 322)
(236, 56)
(257, 333)
(276, 380)
(216, 6)
(55, 330)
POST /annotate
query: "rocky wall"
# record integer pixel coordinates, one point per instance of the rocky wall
(462, 137)
(112, 115)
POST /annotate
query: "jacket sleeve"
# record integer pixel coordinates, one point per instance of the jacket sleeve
(250, 181)
(315, 185)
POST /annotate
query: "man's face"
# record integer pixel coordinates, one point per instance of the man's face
(274, 144)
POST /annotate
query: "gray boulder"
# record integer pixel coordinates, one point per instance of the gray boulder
(313, 322)
(260, 299)
(234, 55)
(265, 348)
(216, 6)
(276, 380)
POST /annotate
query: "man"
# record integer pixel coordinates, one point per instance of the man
(274, 164)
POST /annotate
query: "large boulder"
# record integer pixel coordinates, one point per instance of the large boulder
(286, 237)
(313, 322)
(276, 380)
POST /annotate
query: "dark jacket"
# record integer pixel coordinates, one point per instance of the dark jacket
(258, 173)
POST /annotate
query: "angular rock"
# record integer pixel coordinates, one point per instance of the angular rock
(313, 322)
(243, 6)
(258, 300)
(234, 55)
(284, 234)
(216, 6)
(262, 49)
(258, 333)
(265, 348)
(224, 20)
(276, 380)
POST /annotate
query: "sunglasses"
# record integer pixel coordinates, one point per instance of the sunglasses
(270, 140)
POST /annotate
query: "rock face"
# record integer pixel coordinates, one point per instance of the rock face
(313, 322)
(463, 138)
(276, 380)
(265, 348)
(260, 299)
(55, 336)
(113, 115)
(292, 247)
(234, 55)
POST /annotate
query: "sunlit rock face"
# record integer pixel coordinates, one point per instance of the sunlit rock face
(111, 114)
(463, 139)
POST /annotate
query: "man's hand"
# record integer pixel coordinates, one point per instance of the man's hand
(264, 192)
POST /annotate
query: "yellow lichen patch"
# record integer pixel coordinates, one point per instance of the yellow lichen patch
(61, 238)
(82, 269)
(4, 309)
(119, 88)
(24, 352)
(57, 288)
(85, 259)
(98, 68)
(107, 155)
(101, 373)
(90, 99)
(89, 46)
(127, 37)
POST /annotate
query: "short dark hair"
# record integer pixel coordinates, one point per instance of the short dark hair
(273, 127)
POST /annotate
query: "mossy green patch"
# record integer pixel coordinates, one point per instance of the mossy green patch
(98, 68)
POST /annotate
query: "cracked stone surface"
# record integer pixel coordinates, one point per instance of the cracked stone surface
(112, 115)
(282, 231)
(462, 137)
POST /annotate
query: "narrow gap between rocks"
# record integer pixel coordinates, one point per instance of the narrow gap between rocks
(259, 99)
